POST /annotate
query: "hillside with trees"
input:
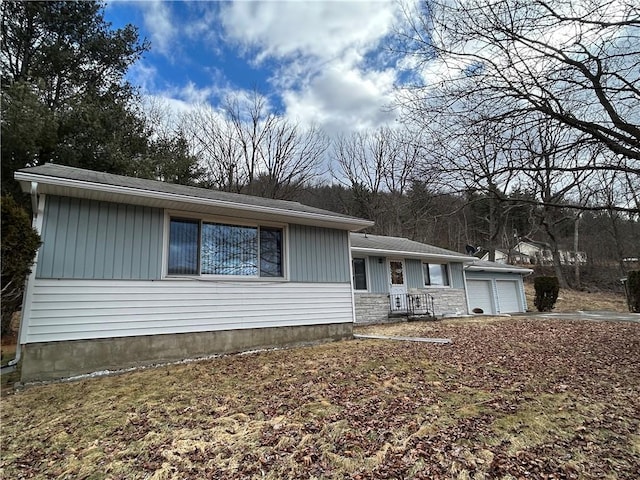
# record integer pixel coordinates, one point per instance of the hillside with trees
(528, 135)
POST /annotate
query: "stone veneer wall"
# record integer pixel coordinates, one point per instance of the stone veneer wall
(371, 307)
(446, 301)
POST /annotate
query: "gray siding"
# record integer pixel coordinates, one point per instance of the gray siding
(414, 273)
(378, 275)
(318, 255)
(457, 276)
(85, 239)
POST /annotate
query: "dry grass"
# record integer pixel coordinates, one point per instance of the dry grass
(509, 398)
(575, 300)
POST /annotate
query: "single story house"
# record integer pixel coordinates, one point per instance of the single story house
(133, 272)
(392, 274)
(395, 276)
(494, 288)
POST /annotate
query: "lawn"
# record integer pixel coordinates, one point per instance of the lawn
(509, 398)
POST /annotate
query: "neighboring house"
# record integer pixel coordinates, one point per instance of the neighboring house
(503, 256)
(494, 288)
(397, 275)
(134, 272)
(539, 253)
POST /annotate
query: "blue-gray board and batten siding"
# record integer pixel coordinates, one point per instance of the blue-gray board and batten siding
(87, 239)
(379, 282)
(99, 299)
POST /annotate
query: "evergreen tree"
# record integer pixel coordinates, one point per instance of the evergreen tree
(64, 96)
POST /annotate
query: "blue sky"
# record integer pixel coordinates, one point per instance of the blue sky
(326, 62)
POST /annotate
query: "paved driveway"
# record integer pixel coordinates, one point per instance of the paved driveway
(595, 315)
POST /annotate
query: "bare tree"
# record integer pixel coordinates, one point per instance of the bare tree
(212, 138)
(573, 61)
(249, 149)
(290, 159)
(378, 167)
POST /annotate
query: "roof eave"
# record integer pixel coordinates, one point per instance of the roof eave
(408, 254)
(480, 268)
(352, 224)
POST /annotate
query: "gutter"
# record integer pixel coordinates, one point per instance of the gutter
(355, 223)
(481, 268)
(408, 254)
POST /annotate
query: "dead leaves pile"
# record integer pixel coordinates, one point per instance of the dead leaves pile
(507, 399)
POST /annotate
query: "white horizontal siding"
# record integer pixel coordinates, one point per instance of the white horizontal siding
(87, 309)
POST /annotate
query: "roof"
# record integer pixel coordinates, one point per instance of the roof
(389, 246)
(484, 266)
(76, 182)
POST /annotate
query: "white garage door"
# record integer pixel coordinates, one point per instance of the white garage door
(508, 296)
(479, 293)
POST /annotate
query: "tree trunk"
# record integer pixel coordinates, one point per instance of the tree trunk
(576, 259)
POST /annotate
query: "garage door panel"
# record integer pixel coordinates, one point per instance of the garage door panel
(508, 296)
(480, 295)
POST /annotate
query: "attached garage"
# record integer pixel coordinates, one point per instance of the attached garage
(494, 288)
(509, 297)
(480, 296)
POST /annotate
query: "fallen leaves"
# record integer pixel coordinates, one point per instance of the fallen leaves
(509, 398)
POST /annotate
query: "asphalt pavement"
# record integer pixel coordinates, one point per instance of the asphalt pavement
(594, 315)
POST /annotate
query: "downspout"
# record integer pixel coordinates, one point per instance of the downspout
(37, 225)
(353, 299)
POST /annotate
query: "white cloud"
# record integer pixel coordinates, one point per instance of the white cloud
(158, 21)
(327, 54)
(326, 58)
(343, 99)
(320, 29)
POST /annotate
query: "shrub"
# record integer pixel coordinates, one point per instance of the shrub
(547, 289)
(19, 245)
(633, 290)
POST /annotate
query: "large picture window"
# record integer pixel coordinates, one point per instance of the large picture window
(435, 274)
(207, 248)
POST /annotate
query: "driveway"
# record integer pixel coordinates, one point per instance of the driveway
(595, 315)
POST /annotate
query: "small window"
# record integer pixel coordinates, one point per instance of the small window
(183, 247)
(359, 274)
(270, 252)
(435, 274)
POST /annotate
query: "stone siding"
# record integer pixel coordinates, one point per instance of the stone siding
(446, 301)
(371, 307)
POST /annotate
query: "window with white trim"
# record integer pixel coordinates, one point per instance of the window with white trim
(198, 247)
(435, 274)
(359, 274)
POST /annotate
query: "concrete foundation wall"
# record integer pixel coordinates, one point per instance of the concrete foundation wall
(54, 360)
(371, 307)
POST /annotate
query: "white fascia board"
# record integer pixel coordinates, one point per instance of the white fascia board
(478, 268)
(352, 224)
(398, 253)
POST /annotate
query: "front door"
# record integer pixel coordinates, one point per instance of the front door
(397, 286)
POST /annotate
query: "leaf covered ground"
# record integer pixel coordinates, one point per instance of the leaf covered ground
(507, 399)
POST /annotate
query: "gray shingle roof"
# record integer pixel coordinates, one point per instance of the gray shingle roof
(90, 176)
(400, 245)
